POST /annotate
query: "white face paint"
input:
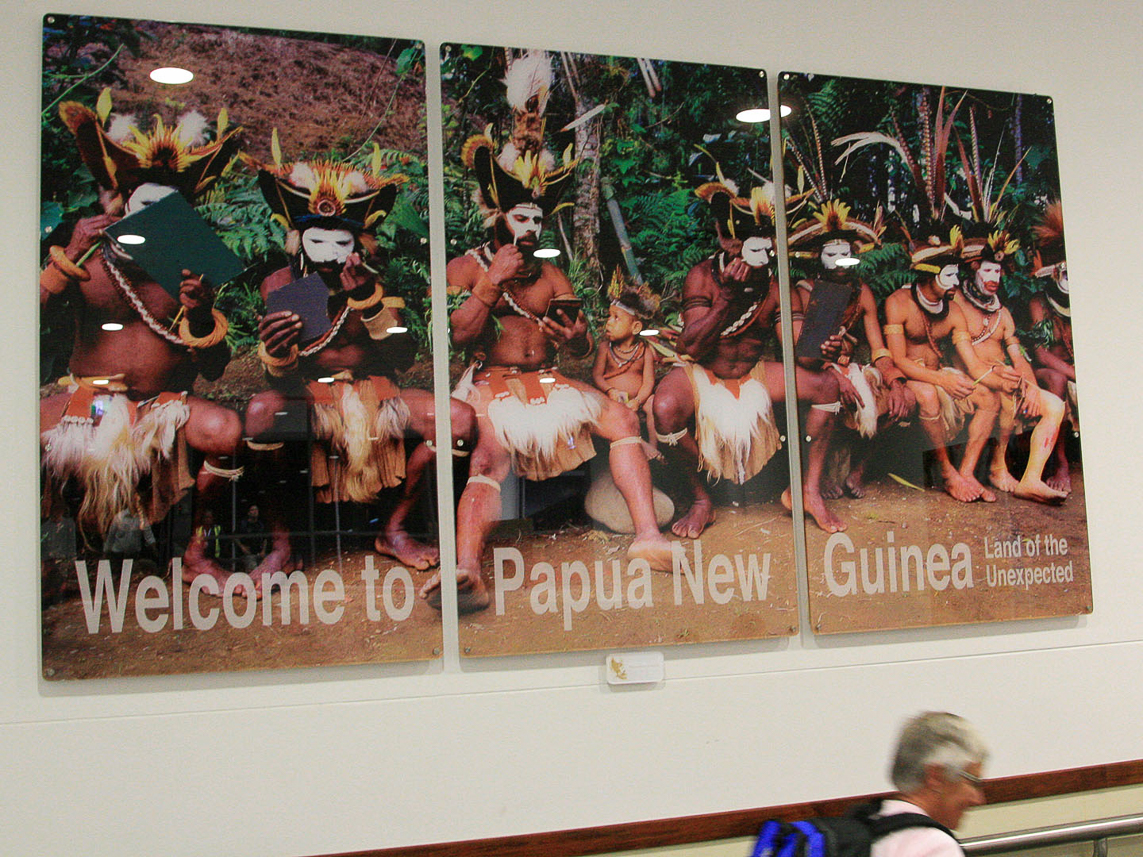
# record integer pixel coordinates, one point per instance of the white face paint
(949, 277)
(146, 194)
(832, 251)
(525, 221)
(987, 277)
(757, 251)
(327, 246)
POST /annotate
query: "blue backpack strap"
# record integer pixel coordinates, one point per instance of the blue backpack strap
(795, 844)
(769, 837)
(815, 844)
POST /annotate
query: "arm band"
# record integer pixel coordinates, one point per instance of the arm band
(960, 336)
(378, 325)
(279, 367)
(893, 328)
(369, 302)
(879, 353)
(217, 335)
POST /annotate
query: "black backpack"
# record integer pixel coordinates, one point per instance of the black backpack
(849, 835)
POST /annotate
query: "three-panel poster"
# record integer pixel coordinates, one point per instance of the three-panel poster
(239, 432)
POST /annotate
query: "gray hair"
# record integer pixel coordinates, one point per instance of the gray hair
(934, 738)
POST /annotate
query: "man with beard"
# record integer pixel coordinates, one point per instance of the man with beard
(993, 334)
(1051, 315)
(875, 395)
(530, 417)
(341, 382)
(122, 431)
(919, 318)
(726, 390)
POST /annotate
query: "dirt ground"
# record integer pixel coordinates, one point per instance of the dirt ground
(524, 625)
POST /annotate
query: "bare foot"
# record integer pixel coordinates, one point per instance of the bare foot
(1002, 480)
(1040, 492)
(471, 591)
(279, 559)
(830, 490)
(196, 562)
(820, 512)
(655, 549)
(959, 488)
(407, 550)
(698, 517)
(987, 495)
(855, 484)
(1061, 480)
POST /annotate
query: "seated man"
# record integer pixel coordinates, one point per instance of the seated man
(875, 395)
(921, 317)
(341, 382)
(936, 770)
(994, 340)
(714, 414)
(530, 417)
(124, 430)
(1052, 352)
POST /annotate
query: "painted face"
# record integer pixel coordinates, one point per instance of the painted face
(146, 194)
(621, 325)
(757, 251)
(987, 277)
(832, 251)
(525, 222)
(949, 277)
(327, 246)
(957, 794)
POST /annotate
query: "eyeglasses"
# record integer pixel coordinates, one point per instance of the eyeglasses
(973, 779)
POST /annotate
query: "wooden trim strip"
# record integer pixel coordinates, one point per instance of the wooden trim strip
(664, 832)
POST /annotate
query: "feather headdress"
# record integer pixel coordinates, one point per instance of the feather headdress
(325, 193)
(932, 252)
(832, 222)
(740, 216)
(1050, 258)
(524, 171)
(121, 155)
(634, 298)
(928, 168)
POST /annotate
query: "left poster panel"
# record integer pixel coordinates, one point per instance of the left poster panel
(237, 425)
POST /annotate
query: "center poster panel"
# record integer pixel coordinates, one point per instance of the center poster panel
(613, 310)
(930, 291)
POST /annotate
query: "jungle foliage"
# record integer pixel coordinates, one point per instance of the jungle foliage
(80, 61)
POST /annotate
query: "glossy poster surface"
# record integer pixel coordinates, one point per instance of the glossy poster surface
(612, 285)
(234, 291)
(929, 281)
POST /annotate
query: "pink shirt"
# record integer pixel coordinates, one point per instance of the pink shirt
(914, 841)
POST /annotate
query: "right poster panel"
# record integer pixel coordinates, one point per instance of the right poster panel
(929, 286)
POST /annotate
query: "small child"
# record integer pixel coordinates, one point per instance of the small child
(625, 363)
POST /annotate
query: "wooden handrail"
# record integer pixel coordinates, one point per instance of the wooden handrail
(664, 832)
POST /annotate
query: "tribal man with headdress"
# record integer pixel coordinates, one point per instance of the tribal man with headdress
(920, 318)
(726, 390)
(1051, 314)
(342, 382)
(874, 395)
(531, 418)
(123, 430)
(994, 342)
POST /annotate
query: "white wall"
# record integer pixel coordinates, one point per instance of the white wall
(321, 761)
